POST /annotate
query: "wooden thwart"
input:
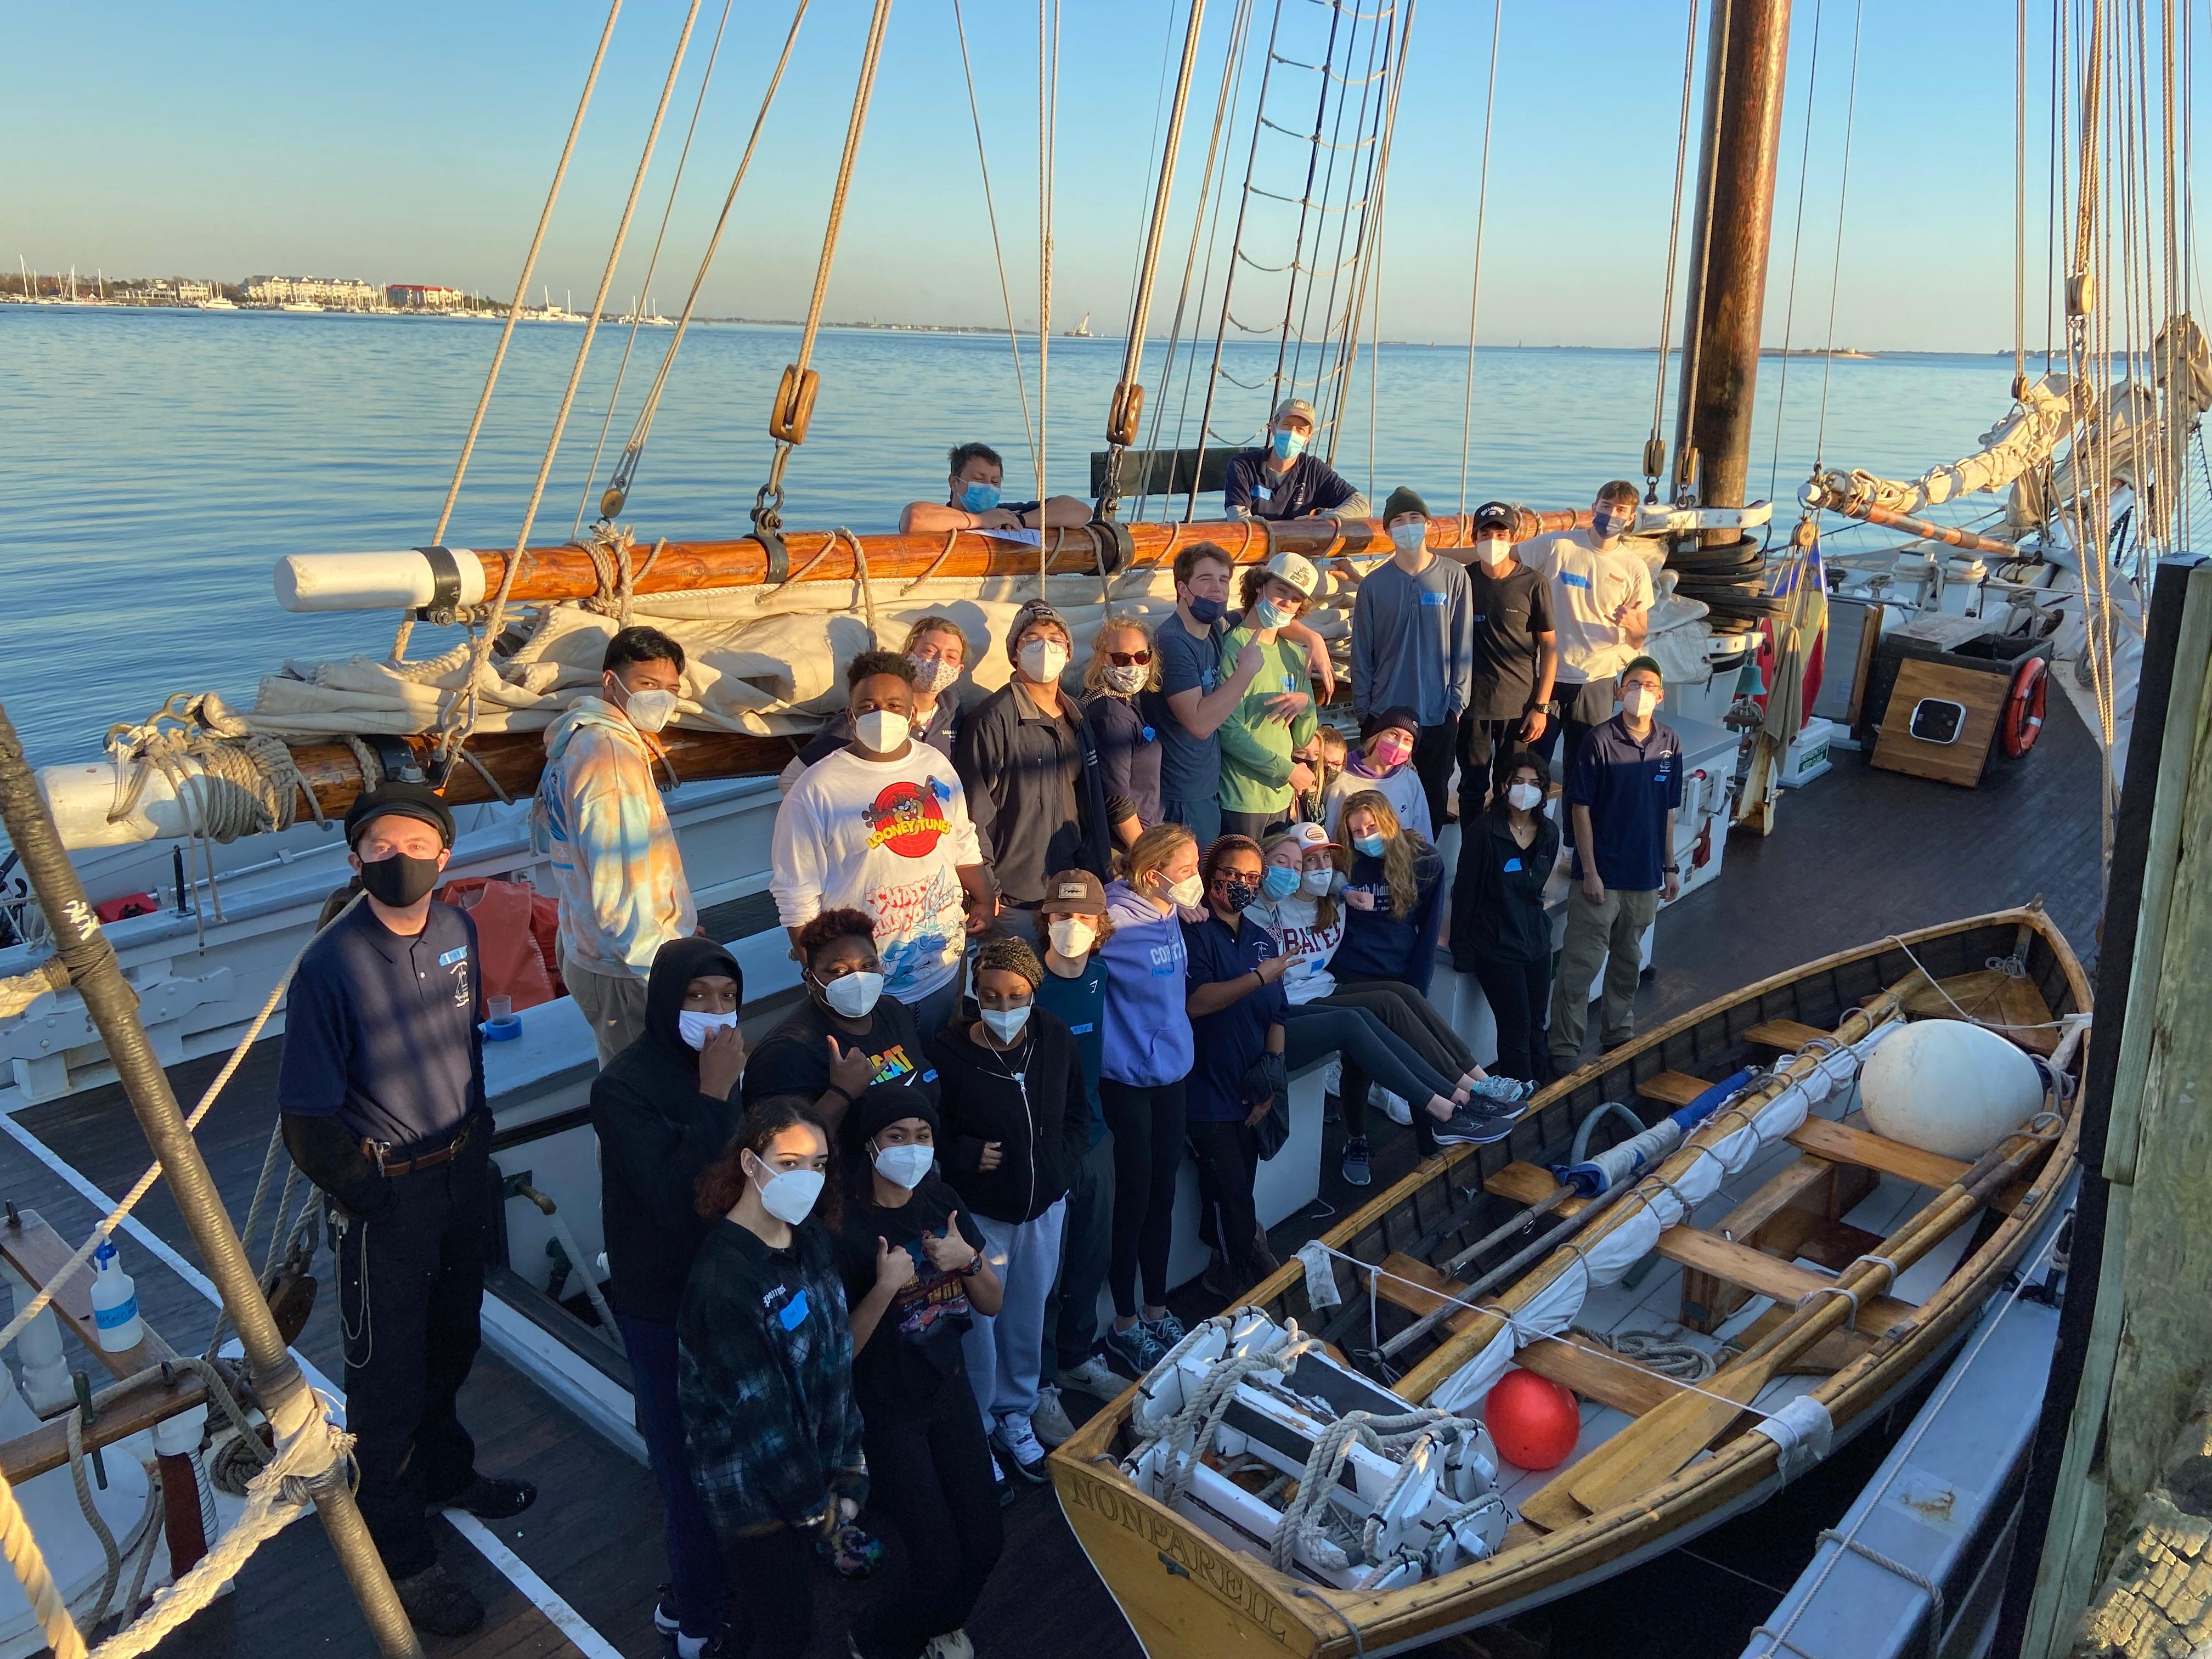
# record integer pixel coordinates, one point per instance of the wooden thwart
(1788, 1034)
(1672, 1088)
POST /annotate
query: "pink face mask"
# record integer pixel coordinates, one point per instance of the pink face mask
(1392, 752)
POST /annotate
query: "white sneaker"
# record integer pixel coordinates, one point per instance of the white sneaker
(1016, 1441)
(1094, 1376)
(1332, 1076)
(1393, 1108)
(1050, 1419)
(953, 1645)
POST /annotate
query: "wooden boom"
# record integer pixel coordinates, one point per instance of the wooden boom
(448, 577)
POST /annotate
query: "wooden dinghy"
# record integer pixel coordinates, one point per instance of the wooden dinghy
(1836, 1265)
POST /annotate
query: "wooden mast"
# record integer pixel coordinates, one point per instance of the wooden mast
(1746, 60)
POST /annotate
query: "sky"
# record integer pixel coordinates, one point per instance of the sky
(414, 143)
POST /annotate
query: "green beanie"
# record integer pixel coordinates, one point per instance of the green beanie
(1403, 499)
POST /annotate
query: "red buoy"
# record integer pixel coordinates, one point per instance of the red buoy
(1534, 1420)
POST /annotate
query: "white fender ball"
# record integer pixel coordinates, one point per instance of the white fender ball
(1950, 1087)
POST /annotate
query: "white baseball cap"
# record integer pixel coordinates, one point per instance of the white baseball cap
(1296, 569)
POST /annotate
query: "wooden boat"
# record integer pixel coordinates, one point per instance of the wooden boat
(1775, 1260)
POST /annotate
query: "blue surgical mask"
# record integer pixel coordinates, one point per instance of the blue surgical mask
(1606, 525)
(1371, 845)
(1268, 614)
(1279, 881)
(1286, 444)
(979, 497)
(1206, 612)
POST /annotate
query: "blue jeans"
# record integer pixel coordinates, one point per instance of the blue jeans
(698, 1580)
(1201, 817)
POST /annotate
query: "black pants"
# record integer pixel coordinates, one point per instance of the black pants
(1519, 993)
(1147, 1126)
(1435, 751)
(929, 1473)
(697, 1591)
(1485, 747)
(772, 1601)
(1086, 1248)
(411, 1286)
(1228, 1157)
(1255, 824)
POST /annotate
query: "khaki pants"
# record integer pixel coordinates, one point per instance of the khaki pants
(614, 1004)
(1611, 931)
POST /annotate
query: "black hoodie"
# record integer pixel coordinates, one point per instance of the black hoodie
(1031, 1099)
(657, 1131)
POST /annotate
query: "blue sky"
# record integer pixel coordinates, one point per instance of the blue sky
(406, 142)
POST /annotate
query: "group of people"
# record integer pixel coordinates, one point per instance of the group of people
(1047, 941)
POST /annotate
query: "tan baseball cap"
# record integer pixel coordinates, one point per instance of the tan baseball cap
(1295, 406)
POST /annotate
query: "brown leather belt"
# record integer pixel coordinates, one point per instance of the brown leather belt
(379, 1153)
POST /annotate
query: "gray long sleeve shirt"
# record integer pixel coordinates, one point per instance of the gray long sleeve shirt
(1413, 641)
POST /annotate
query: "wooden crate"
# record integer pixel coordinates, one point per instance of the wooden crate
(1982, 693)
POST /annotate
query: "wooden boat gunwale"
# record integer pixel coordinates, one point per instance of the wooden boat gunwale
(1255, 1599)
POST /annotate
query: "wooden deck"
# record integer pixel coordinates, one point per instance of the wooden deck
(1858, 854)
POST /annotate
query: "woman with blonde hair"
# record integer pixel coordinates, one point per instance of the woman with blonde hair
(1144, 1062)
(1393, 896)
(1126, 712)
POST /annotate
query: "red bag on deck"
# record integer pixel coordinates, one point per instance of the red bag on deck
(515, 929)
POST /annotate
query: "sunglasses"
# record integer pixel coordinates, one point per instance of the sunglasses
(1129, 659)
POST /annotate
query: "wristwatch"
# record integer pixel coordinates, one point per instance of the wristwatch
(1670, 869)
(1548, 710)
(973, 1268)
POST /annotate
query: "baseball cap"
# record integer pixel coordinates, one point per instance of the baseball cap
(1296, 569)
(1496, 516)
(1074, 893)
(1298, 406)
(1311, 837)
(413, 800)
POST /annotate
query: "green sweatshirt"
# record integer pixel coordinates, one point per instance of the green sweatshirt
(1255, 751)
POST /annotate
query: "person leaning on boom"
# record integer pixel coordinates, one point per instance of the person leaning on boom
(971, 500)
(381, 1090)
(1281, 480)
(617, 869)
(1623, 788)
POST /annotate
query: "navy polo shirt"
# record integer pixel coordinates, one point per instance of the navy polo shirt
(1226, 1043)
(1629, 786)
(1308, 485)
(381, 1031)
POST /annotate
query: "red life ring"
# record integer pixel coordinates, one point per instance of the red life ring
(2022, 722)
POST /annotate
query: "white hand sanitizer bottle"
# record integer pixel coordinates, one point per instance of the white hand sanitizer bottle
(114, 1302)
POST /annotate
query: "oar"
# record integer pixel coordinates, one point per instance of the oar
(1659, 1444)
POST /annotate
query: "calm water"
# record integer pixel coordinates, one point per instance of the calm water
(154, 464)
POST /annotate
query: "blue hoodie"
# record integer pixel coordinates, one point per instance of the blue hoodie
(1147, 1026)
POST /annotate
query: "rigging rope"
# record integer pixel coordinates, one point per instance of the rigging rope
(458, 719)
(1474, 283)
(652, 264)
(1842, 201)
(626, 468)
(1128, 396)
(998, 249)
(1370, 272)
(794, 402)
(514, 312)
(2020, 201)
(1655, 454)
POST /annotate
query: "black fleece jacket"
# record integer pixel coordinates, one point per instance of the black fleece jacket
(1042, 1123)
(657, 1131)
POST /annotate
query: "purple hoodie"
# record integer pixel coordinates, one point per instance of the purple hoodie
(1147, 1028)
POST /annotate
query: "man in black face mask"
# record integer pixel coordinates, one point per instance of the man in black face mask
(382, 1093)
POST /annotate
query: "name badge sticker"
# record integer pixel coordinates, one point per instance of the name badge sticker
(460, 953)
(1436, 599)
(1568, 579)
(792, 1314)
(1513, 864)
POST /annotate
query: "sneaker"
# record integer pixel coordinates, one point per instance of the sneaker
(1502, 1090)
(1015, 1441)
(664, 1621)
(953, 1645)
(1167, 1330)
(1357, 1172)
(1395, 1107)
(1468, 1126)
(436, 1604)
(1094, 1376)
(709, 1647)
(1050, 1419)
(1135, 1351)
(490, 1499)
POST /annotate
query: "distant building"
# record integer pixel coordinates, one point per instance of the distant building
(336, 293)
(415, 296)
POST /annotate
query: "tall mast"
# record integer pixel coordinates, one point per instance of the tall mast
(1746, 60)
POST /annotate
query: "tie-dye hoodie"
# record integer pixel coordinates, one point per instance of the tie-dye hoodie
(614, 864)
